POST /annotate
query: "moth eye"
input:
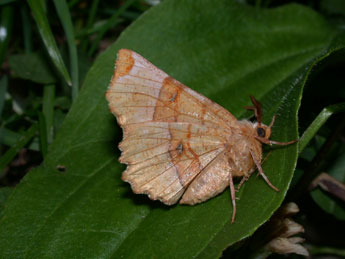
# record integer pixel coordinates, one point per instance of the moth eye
(261, 132)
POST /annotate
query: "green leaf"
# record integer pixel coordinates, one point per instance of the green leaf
(42, 125)
(318, 122)
(48, 110)
(32, 66)
(48, 39)
(225, 51)
(90, 22)
(27, 28)
(65, 18)
(329, 250)
(111, 22)
(10, 138)
(21, 142)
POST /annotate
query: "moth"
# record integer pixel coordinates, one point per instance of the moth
(179, 145)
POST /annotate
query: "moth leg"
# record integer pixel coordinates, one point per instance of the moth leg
(267, 156)
(261, 172)
(243, 180)
(233, 197)
(246, 177)
(272, 142)
(264, 160)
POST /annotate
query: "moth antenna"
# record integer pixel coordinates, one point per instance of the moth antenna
(233, 197)
(256, 108)
(261, 172)
(272, 122)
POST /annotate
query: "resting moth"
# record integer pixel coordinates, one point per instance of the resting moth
(178, 143)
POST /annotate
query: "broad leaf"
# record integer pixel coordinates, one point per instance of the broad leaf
(32, 66)
(225, 51)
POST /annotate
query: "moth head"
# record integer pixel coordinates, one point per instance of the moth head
(263, 132)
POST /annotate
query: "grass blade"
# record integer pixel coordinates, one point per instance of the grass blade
(94, 29)
(12, 152)
(90, 21)
(43, 134)
(10, 138)
(112, 21)
(48, 110)
(48, 39)
(65, 18)
(318, 122)
(32, 66)
(27, 28)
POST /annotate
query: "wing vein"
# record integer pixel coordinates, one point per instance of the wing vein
(168, 161)
(191, 180)
(147, 149)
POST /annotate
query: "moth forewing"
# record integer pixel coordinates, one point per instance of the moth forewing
(179, 145)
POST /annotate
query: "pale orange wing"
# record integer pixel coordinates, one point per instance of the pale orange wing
(171, 133)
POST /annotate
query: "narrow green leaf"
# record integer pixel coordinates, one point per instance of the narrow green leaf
(63, 102)
(326, 250)
(48, 38)
(48, 110)
(328, 203)
(65, 19)
(32, 66)
(90, 21)
(92, 14)
(10, 138)
(97, 27)
(224, 50)
(43, 134)
(27, 28)
(112, 21)
(6, 22)
(320, 120)
(12, 152)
